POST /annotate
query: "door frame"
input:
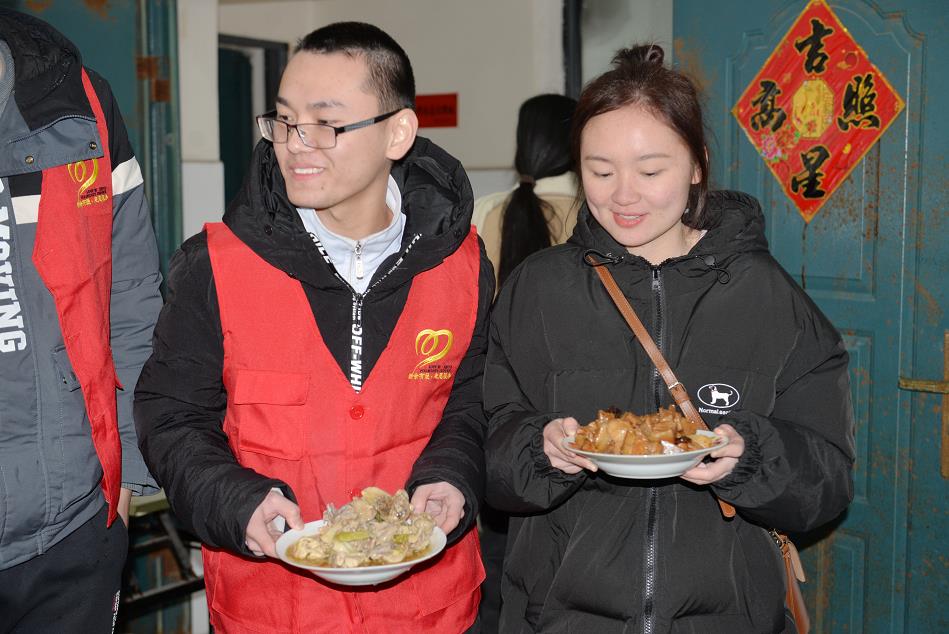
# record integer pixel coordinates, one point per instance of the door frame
(275, 60)
(159, 99)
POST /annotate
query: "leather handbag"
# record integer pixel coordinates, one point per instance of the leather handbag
(794, 571)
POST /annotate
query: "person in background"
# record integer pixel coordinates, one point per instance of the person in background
(542, 209)
(328, 336)
(79, 296)
(592, 553)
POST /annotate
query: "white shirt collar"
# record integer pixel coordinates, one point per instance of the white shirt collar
(358, 268)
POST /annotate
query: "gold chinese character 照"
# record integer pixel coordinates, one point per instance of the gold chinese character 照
(859, 104)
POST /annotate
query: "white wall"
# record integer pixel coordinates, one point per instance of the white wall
(197, 73)
(278, 21)
(202, 173)
(609, 25)
(493, 53)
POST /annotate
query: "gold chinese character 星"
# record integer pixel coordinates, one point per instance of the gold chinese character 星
(808, 180)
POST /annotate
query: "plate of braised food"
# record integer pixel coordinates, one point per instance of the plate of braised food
(368, 541)
(664, 444)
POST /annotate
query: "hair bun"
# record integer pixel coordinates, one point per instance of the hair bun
(642, 54)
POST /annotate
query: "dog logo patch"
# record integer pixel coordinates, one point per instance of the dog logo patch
(718, 395)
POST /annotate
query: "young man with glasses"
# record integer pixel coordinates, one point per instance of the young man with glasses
(329, 335)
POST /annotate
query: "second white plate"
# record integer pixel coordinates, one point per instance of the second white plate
(648, 467)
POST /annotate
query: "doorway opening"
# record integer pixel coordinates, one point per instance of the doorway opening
(248, 78)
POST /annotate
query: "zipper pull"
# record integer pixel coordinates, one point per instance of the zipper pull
(357, 252)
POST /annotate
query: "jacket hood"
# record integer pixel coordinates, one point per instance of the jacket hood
(736, 227)
(47, 74)
(436, 199)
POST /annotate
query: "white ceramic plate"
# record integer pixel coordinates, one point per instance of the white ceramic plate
(648, 467)
(365, 576)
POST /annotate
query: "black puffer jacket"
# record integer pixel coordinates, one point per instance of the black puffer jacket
(180, 399)
(592, 553)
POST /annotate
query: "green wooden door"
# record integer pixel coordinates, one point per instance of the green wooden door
(236, 116)
(874, 259)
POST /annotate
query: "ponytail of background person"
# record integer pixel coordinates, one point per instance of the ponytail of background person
(543, 149)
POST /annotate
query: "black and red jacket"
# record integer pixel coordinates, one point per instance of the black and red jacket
(79, 294)
(181, 400)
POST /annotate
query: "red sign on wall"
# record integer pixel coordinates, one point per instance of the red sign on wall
(437, 111)
(816, 107)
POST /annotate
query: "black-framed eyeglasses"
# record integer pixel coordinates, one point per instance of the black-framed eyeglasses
(318, 136)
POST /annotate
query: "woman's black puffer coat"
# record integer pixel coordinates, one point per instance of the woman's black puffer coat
(593, 553)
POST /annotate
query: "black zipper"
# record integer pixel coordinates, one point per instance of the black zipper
(657, 335)
(652, 536)
(649, 563)
(356, 344)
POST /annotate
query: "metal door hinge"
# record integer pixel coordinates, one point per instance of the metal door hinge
(924, 385)
(937, 387)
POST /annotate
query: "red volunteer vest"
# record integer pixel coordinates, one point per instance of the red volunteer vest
(293, 415)
(73, 255)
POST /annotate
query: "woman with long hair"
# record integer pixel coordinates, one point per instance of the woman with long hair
(542, 210)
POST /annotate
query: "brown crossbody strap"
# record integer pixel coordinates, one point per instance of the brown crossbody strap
(676, 389)
(794, 572)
